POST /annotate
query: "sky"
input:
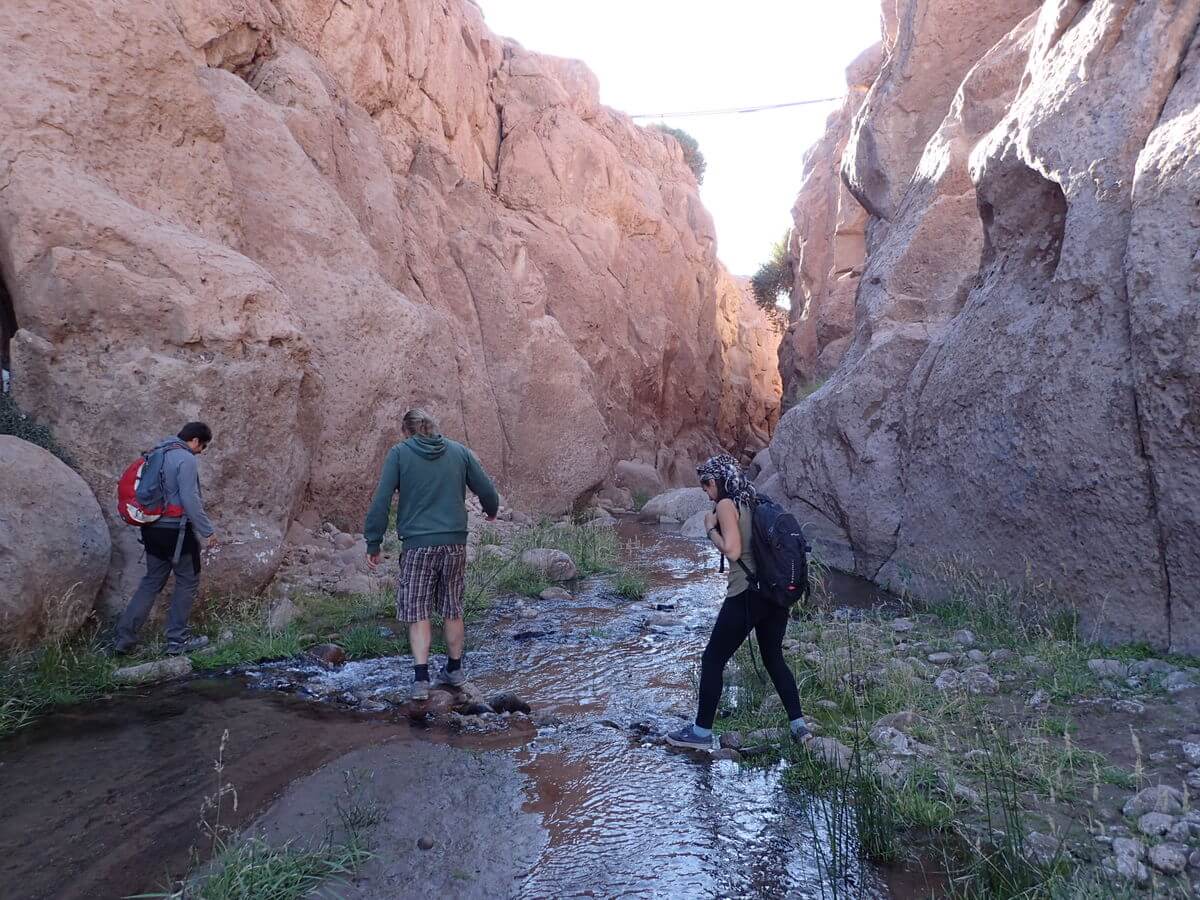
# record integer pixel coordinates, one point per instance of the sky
(655, 56)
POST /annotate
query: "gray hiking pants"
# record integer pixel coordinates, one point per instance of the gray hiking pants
(187, 584)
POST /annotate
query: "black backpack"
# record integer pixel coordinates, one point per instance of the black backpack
(780, 555)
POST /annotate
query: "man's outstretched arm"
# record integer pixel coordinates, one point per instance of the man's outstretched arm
(481, 486)
(377, 515)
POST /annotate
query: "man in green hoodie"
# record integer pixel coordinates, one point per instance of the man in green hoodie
(432, 475)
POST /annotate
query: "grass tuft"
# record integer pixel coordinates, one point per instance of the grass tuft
(631, 584)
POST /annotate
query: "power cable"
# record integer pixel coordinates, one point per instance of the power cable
(737, 110)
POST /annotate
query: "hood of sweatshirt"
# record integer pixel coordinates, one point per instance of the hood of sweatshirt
(427, 447)
(171, 442)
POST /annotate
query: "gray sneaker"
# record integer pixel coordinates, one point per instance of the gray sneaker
(189, 644)
(457, 678)
(687, 737)
(420, 691)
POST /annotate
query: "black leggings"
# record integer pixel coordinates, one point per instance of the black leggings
(738, 615)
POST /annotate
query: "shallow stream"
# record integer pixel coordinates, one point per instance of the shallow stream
(104, 801)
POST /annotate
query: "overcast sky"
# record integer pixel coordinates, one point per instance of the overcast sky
(655, 56)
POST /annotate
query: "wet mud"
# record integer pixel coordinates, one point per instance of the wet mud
(105, 801)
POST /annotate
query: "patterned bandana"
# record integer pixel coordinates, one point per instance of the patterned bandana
(725, 471)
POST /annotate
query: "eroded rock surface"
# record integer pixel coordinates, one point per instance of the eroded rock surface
(296, 219)
(1020, 392)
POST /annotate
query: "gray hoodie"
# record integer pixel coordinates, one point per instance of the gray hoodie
(181, 477)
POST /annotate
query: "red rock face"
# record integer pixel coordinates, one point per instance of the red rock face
(1021, 387)
(297, 219)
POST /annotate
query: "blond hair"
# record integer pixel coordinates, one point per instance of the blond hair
(417, 421)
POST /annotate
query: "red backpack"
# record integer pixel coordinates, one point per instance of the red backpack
(142, 491)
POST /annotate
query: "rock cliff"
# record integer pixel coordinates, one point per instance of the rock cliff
(296, 218)
(1021, 389)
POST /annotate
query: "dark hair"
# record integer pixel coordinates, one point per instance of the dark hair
(193, 430)
(722, 494)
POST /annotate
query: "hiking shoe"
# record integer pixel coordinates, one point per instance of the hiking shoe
(122, 650)
(801, 735)
(687, 737)
(457, 678)
(420, 691)
(189, 644)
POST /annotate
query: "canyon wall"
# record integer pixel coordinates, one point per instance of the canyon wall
(294, 219)
(1021, 391)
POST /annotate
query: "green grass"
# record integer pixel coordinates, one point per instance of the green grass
(55, 675)
(640, 499)
(366, 642)
(631, 584)
(594, 550)
(251, 644)
(253, 869)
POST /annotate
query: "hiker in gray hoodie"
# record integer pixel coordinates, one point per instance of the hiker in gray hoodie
(170, 550)
(432, 475)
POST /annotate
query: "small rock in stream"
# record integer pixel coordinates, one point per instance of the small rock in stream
(425, 842)
(732, 740)
(506, 701)
(328, 656)
(531, 635)
(727, 753)
(473, 708)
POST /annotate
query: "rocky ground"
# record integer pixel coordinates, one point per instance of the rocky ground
(1023, 742)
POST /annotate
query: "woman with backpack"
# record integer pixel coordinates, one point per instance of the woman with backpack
(745, 608)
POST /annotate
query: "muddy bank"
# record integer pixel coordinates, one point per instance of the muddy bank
(105, 801)
(466, 804)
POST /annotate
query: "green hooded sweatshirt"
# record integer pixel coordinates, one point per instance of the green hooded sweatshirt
(432, 475)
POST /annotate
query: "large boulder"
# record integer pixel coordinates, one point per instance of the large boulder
(679, 504)
(54, 546)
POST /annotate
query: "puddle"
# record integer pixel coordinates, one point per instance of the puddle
(619, 816)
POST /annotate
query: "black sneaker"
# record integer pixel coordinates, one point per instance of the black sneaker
(189, 644)
(122, 650)
(687, 737)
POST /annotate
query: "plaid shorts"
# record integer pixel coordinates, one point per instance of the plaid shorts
(430, 575)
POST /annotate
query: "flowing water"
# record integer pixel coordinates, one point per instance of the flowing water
(105, 798)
